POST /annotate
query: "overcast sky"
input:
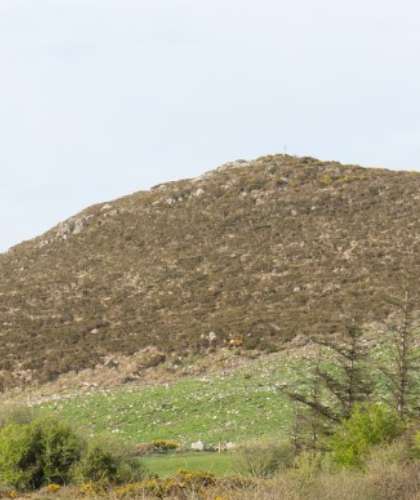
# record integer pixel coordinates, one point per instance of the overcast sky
(100, 98)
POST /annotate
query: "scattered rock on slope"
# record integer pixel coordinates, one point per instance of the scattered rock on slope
(256, 251)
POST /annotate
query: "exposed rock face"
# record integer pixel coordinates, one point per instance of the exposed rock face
(257, 252)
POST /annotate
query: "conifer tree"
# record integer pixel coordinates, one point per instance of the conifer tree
(339, 380)
(404, 358)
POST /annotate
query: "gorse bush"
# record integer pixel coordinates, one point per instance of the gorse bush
(165, 445)
(185, 484)
(108, 462)
(97, 465)
(47, 451)
(61, 449)
(368, 425)
(39, 453)
(19, 457)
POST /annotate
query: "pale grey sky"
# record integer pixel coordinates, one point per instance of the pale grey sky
(100, 98)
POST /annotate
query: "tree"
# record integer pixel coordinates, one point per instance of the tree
(311, 417)
(353, 382)
(338, 381)
(404, 358)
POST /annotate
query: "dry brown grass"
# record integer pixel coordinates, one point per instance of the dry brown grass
(390, 483)
(389, 475)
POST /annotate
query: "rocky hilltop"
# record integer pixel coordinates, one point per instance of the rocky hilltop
(249, 255)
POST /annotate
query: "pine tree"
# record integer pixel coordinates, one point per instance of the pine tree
(404, 360)
(336, 384)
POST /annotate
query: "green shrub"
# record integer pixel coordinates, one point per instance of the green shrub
(97, 465)
(61, 448)
(108, 462)
(368, 425)
(47, 451)
(264, 460)
(19, 457)
(35, 454)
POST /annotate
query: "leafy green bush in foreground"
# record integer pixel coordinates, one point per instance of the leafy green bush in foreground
(38, 453)
(107, 462)
(47, 451)
(368, 425)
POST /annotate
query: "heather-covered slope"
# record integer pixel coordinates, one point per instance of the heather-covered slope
(255, 252)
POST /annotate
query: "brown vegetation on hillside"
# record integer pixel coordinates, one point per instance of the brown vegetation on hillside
(252, 253)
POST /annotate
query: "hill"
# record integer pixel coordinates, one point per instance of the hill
(249, 255)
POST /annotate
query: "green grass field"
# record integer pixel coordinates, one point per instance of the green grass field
(169, 465)
(241, 406)
(244, 405)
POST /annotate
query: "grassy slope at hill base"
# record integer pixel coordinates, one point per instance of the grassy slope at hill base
(243, 405)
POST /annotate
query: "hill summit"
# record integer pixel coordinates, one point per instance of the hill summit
(249, 255)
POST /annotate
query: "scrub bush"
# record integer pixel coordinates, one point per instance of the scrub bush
(33, 455)
(368, 425)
